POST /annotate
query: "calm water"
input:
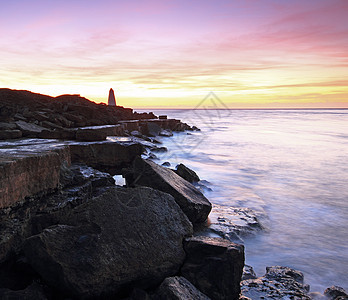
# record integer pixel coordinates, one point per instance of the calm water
(291, 167)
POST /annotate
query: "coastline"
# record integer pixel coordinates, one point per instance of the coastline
(58, 209)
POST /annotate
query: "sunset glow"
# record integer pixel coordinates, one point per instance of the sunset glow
(251, 54)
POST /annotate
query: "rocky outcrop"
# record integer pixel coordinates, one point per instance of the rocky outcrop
(106, 156)
(186, 173)
(31, 112)
(178, 288)
(122, 238)
(190, 200)
(214, 266)
(277, 283)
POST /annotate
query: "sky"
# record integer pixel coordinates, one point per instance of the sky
(174, 54)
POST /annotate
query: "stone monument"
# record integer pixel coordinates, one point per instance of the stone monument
(112, 100)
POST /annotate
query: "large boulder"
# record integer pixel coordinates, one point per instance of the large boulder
(122, 239)
(191, 200)
(214, 266)
(278, 283)
(178, 288)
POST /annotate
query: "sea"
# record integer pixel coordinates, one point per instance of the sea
(291, 166)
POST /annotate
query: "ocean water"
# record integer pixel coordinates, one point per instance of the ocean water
(291, 166)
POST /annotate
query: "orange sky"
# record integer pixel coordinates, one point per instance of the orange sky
(251, 53)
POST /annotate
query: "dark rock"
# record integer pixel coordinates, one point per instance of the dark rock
(166, 133)
(336, 293)
(106, 156)
(152, 156)
(90, 135)
(214, 266)
(162, 117)
(248, 273)
(122, 239)
(186, 173)
(191, 201)
(152, 129)
(166, 164)
(7, 126)
(195, 128)
(277, 283)
(159, 149)
(34, 291)
(10, 134)
(139, 294)
(178, 288)
(29, 129)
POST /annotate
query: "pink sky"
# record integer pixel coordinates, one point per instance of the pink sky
(250, 53)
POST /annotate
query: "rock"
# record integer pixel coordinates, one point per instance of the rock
(7, 126)
(136, 134)
(166, 133)
(29, 129)
(335, 292)
(152, 129)
(106, 156)
(29, 170)
(166, 164)
(248, 273)
(34, 291)
(191, 201)
(277, 283)
(152, 156)
(90, 135)
(139, 294)
(233, 223)
(195, 128)
(111, 99)
(122, 239)
(214, 266)
(158, 149)
(10, 134)
(178, 288)
(162, 117)
(186, 173)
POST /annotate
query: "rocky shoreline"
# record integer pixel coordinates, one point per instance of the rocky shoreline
(68, 232)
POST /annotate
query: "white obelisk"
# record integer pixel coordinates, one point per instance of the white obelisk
(111, 100)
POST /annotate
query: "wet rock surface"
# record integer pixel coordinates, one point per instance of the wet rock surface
(178, 288)
(232, 223)
(214, 266)
(190, 200)
(147, 225)
(277, 283)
